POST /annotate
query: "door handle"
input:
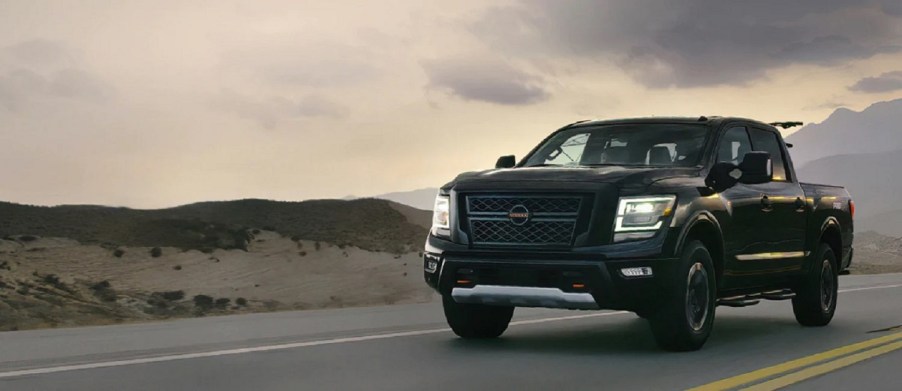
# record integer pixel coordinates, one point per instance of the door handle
(766, 204)
(800, 204)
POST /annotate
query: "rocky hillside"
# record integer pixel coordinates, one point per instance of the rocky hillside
(876, 253)
(49, 282)
(86, 265)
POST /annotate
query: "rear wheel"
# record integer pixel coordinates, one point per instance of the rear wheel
(686, 316)
(476, 320)
(815, 300)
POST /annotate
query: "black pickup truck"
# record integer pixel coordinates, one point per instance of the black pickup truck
(665, 217)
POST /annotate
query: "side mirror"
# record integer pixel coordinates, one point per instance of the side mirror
(507, 161)
(756, 167)
(723, 176)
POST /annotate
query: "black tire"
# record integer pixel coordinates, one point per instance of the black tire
(685, 317)
(476, 320)
(815, 300)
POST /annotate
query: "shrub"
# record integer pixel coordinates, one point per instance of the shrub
(52, 279)
(297, 238)
(174, 295)
(303, 253)
(241, 301)
(203, 301)
(104, 291)
(156, 252)
(317, 246)
(255, 231)
(177, 267)
(28, 238)
(222, 302)
(118, 253)
(157, 302)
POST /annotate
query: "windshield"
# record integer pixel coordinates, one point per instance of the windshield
(677, 145)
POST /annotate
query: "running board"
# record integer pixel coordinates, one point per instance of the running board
(783, 294)
(737, 301)
(755, 298)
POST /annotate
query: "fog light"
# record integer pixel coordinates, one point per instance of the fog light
(636, 271)
(431, 264)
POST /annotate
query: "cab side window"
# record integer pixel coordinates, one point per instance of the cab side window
(767, 141)
(734, 145)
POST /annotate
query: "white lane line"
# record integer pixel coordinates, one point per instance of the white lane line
(867, 288)
(266, 348)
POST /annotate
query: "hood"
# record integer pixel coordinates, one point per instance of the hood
(617, 175)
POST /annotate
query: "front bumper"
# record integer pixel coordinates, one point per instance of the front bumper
(523, 296)
(553, 280)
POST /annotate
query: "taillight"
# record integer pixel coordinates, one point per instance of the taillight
(852, 208)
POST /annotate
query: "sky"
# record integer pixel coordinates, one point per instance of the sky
(153, 104)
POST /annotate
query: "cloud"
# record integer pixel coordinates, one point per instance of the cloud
(475, 78)
(889, 81)
(693, 43)
(20, 87)
(271, 112)
(318, 64)
(40, 52)
(40, 70)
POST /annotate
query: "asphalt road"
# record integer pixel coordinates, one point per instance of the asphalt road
(407, 347)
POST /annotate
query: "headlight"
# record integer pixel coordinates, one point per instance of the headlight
(643, 213)
(441, 216)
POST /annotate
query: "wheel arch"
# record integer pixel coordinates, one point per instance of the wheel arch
(831, 234)
(703, 226)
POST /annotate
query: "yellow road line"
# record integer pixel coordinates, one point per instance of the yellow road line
(821, 369)
(736, 381)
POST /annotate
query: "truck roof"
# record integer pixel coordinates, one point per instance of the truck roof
(706, 120)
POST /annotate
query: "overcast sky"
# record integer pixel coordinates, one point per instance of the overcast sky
(154, 104)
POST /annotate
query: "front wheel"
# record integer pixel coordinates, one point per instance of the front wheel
(815, 300)
(476, 320)
(685, 318)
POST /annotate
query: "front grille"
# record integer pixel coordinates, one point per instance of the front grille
(538, 232)
(552, 220)
(568, 205)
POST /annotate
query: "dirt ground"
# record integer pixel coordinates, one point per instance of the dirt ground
(47, 282)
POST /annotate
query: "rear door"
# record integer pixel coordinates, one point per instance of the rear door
(783, 202)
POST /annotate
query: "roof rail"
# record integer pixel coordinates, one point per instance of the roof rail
(786, 125)
(577, 122)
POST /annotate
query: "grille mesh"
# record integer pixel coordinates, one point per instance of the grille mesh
(552, 219)
(536, 232)
(534, 204)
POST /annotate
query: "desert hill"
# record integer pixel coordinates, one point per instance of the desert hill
(369, 224)
(84, 265)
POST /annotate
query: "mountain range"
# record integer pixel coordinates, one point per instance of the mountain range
(863, 152)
